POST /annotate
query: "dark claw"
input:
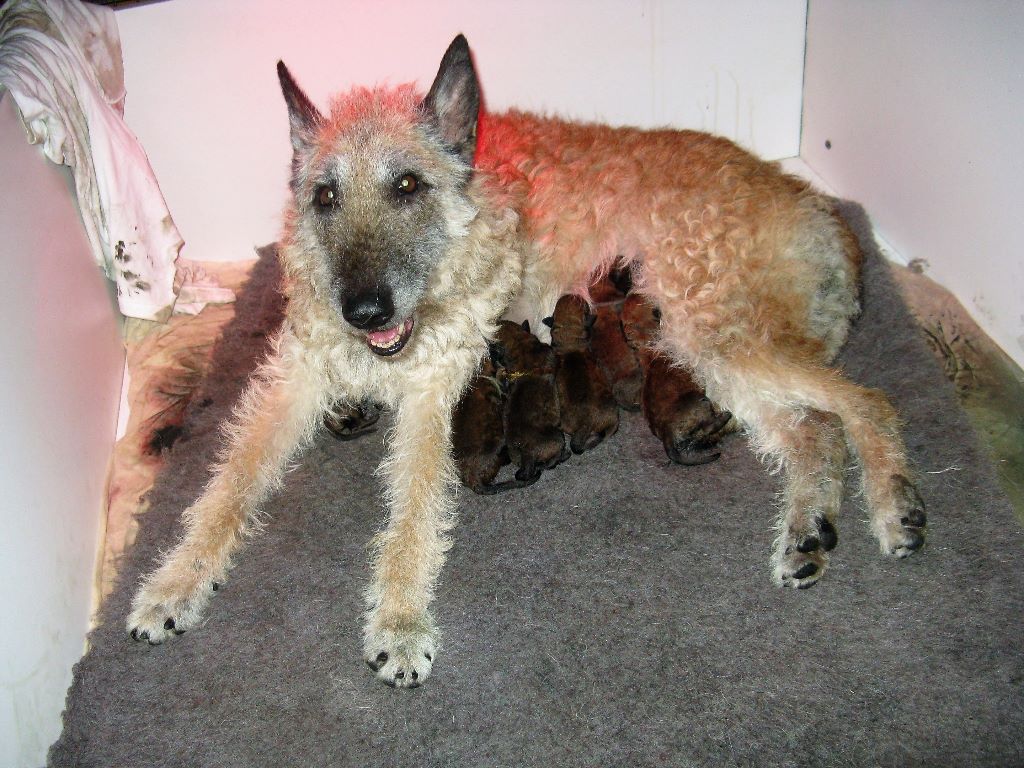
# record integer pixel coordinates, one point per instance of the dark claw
(415, 675)
(827, 534)
(806, 584)
(429, 657)
(135, 633)
(169, 624)
(916, 541)
(144, 635)
(400, 675)
(216, 586)
(380, 661)
(915, 519)
(807, 569)
(810, 544)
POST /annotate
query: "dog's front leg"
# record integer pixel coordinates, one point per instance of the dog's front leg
(279, 412)
(400, 636)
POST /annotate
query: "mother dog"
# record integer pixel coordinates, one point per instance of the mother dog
(416, 222)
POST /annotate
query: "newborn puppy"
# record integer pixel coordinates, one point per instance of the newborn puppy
(585, 400)
(532, 434)
(615, 357)
(478, 433)
(676, 409)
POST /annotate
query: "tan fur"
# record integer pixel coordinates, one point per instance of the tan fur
(755, 274)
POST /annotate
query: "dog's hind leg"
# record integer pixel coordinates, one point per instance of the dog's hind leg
(279, 412)
(796, 413)
(400, 637)
(813, 457)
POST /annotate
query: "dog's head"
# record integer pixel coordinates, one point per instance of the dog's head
(380, 194)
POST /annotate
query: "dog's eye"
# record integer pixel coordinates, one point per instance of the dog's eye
(408, 184)
(326, 196)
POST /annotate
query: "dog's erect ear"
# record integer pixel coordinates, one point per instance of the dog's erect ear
(453, 102)
(303, 116)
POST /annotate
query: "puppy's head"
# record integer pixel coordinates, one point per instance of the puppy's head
(380, 195)
(571, 323)
(640, 322)
(520, 349)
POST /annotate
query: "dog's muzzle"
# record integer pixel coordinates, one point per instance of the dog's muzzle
(373, 312)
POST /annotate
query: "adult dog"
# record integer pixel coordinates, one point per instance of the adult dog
(416, 223)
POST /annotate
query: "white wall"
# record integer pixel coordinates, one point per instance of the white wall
(923, 103)
(59, 383)
(204, 100)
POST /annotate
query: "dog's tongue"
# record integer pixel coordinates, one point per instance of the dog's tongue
(385, 338)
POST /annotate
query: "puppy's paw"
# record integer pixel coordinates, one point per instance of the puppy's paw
(801, 555)
(402, 657)
(900, 527)
(167, 605)
(698, 427)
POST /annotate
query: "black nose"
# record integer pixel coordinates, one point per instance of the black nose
(369, 310)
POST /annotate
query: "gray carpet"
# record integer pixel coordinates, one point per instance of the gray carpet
(617, 613)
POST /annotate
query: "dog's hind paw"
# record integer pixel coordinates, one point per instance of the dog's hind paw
(401, 658)
(901, 528)
(801, 556)
(164, 606)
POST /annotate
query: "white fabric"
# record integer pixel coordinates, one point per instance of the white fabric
(61, 61)
(198, 288)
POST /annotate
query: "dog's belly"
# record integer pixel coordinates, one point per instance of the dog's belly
(716, 233)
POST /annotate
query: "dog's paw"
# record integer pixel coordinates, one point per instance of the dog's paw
(697, 428)
(347, 421)
(801, 555)
(166, 606)
(901, 528)
(401, 658)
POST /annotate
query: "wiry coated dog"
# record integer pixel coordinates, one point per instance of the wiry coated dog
(415, 223)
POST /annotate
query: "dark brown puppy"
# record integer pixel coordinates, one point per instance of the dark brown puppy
(615, 357)
(585, 400)
(532, 433)
(676, 409)
(478, 434)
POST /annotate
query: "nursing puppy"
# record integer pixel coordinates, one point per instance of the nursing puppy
(415, 223)
(478, 434)
(533, 431)
(674, 405)
(586, 405)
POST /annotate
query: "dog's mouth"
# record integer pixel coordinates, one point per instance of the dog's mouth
(390, 341)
